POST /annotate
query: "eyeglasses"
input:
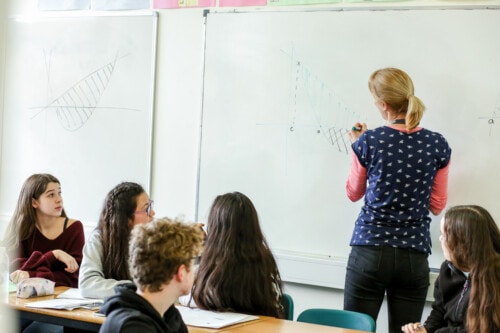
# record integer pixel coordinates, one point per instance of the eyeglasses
(196, 260)
(148, 209)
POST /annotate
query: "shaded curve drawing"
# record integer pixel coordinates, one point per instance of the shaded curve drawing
(76, 105)
(316, 91)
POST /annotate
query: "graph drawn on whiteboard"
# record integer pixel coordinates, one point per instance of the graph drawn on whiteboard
(495, 114)
(309, 93)
(75, 105)
(78, 98)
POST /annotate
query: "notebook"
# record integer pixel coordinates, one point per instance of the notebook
(212, 319)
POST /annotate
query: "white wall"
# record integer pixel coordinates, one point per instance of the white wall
(179, 79)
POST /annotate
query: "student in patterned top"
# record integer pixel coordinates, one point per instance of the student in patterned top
(401, 170)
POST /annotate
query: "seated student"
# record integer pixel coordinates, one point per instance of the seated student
(42, 241)
(467, 290)
(161, 255)
(237, 272)
(105, 253)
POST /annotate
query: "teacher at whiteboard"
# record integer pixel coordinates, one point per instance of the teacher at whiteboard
(401, 170)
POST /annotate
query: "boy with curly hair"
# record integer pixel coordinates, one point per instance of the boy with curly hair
(161, 261)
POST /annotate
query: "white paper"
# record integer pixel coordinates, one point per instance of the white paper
(65, 304)
(74, 293)
(63, 4)
(119, 5)
(212, 319)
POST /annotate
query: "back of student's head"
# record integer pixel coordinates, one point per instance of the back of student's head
(471, 235)
(115, 225)
(237, 271)
(159, 248)
(395, 87)
(23, 220)
(233, 226)
(473, 239)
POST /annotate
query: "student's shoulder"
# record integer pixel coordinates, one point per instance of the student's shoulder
(76, 224)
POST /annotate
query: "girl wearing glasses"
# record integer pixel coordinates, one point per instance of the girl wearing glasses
(105, 254)
(467, 290)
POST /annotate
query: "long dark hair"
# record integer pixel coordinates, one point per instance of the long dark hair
(473, 240)
(114, 227)
(237, 270)
(22, 223)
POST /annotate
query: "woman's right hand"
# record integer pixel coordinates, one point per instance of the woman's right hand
(68, 260)
(413, 328)
(356, 131)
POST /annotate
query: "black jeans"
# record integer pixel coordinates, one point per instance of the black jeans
(373, 271)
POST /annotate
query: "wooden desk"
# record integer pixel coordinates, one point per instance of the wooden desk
(79, 318)
(193, 329)
(86, 320)
(274, 325)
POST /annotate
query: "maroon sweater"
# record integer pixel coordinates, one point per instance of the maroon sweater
(39, 261)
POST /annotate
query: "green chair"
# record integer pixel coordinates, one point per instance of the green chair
(338, 318)
(287, 303)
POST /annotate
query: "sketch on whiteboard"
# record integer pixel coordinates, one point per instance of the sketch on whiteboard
(494, 115)
(76, 105)
(78, 97)
(309, 93)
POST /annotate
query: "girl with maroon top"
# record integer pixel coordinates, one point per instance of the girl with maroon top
(42, 240)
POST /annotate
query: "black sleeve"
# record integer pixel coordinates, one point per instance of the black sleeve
(436, 323)
(173, 319)
(436, 317)
(127, 322)
(134, 326)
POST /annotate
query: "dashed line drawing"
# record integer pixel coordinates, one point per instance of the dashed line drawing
(76, 105)
(322, 101)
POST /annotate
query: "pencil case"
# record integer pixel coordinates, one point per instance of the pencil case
(33, 287)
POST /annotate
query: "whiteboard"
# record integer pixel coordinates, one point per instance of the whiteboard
(78, 103)
(281, 89)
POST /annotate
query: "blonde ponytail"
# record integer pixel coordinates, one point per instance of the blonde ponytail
(415, 112)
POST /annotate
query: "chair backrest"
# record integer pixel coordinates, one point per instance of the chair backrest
(287, 302)
(339, 318)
